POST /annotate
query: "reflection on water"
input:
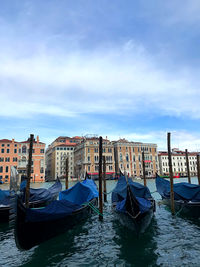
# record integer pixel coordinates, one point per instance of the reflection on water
(169, 241)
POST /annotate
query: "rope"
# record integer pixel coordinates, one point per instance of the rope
(153, 192)
(93, 208)
(180, 209)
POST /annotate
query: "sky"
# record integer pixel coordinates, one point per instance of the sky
(121, 69)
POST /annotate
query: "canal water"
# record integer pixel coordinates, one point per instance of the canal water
(169, 241)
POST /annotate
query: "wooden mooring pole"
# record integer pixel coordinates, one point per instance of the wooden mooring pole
(104, 179)
(188, 168)
(29, 170)
(144, 175)
(198, 169)
(170, 172)
(100, 180)
(67, 171)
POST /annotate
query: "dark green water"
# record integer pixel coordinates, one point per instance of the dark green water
(169, 241)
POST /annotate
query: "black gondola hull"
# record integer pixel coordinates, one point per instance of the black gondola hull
(4, 214)
(189, 209)
(5, 211)
(139, 224)
(30, 234)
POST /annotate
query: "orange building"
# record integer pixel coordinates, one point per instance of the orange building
(8, 157)
(14, 153)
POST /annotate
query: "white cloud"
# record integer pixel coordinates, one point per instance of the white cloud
(124, 79)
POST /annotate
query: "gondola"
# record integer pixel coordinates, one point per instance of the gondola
(34, 226)
(133, 204)
(186, 197)
(38, 198)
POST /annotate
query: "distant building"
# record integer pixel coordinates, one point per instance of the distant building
(57, 153)
(14, 153)
(178, 162)
(86, 157)
(128, 157)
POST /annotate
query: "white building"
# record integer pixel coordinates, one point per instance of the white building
(178, 163)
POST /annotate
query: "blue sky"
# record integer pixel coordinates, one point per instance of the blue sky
(113, 68)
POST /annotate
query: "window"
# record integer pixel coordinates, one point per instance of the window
(7, 168)
(8, 145)
(41, 150)
(14, 159)
(88, 168)
(3, 145)
(24, 149)
(127, 166)
(88, 158)
(7, 159)
(8, 150)
(1, 159)
(15, 150)
(2, 150)
(1, 168)
(96, 150)
(127, 158)
(120, 156)
(88, 150)
(42, 170)
(133, 157)
(19, 150)
(15, 145)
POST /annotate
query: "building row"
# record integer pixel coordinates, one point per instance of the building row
(82, 154)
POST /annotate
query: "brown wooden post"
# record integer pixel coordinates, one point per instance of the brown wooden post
(66, 172)
(29, 170)
(100, 180)
(188, 168)
(170, 173)
(144, 175)
(198, 169)
(104, 179)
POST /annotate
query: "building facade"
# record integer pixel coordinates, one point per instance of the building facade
(86, 157)
(57, 153)
(178, 163)
(16, 154)
(128, 157)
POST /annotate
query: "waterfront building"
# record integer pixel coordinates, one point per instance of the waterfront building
(178, 162)
(13, 153)
(57, 153)
(86, 157)
(128, 157)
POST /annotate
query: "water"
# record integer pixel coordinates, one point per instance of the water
(169, 241)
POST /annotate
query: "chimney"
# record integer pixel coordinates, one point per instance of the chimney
(38, 139)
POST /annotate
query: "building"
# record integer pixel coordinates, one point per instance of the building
(128, 157)
(86, 157)
(178, 162)
(57, 153)
(8, 157)
(16, 154)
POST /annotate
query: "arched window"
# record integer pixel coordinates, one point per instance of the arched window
(127, 159)
(24, 149)
(120, 156)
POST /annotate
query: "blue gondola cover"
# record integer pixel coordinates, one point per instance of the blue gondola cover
(141, 193)
(4, 197)
(69, 201)
(182, 191)
(42, 194)
(80, 192)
